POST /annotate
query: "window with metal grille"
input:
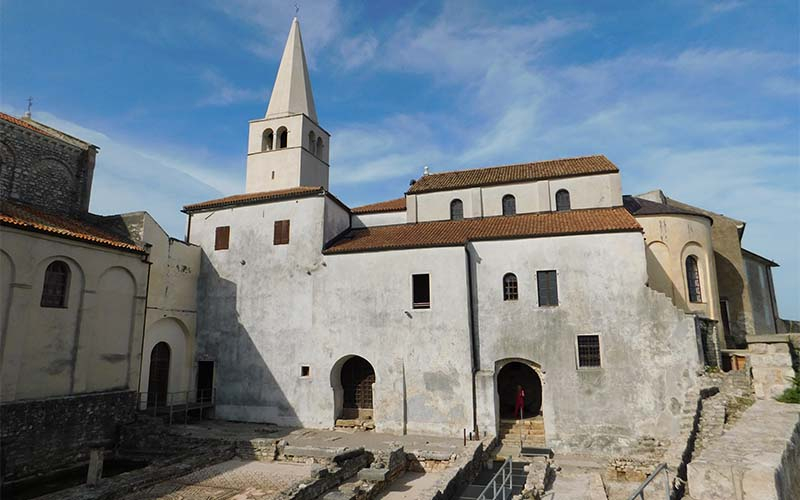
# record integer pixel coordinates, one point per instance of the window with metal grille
(509, 205)
(456, 210)
(510, 289)
(56, 285)
(562, 200)
(281, 234)
(222, 238)
(547, 288)
(421, 285)
(693, 279)
(588, 351)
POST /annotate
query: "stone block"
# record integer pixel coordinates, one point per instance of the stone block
(374, 475)
(312, 452)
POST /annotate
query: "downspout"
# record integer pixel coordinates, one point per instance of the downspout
(145, 259)
(472, 340)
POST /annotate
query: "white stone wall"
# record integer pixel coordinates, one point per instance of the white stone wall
(771, 368)
(94, 343)
(647, 345)
(378, 219)
(591, 191)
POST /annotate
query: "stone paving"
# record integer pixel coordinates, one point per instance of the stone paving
(231, 480)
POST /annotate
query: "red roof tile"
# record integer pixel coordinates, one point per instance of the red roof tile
(509, 174)
(396, 205)
(23, 123)
(250, 198)
(30, 218)
(456, 233)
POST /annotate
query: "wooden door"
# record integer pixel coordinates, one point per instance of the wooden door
(158, 385)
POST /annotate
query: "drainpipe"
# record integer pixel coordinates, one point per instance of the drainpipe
(473, 348)
(146, 260)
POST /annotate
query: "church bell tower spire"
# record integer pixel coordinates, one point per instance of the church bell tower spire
(288, 148)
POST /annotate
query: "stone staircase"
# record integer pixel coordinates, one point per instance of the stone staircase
(531, 429)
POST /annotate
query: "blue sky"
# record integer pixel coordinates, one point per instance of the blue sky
(698, 98)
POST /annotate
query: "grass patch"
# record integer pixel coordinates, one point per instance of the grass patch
(792, 394)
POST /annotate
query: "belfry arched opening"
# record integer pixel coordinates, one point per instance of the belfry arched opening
(512, 377)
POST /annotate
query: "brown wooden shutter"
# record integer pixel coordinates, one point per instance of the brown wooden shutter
(281, 233)
(222, 239)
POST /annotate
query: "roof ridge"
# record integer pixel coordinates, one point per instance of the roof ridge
(519, 164)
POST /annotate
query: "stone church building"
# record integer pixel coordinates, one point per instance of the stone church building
(425, 313)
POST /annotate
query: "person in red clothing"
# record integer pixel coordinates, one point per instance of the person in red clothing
(520, 402)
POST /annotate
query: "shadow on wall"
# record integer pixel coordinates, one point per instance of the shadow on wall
(243, 381)
(731, 288)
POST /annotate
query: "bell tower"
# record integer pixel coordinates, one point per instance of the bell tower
(287, 148)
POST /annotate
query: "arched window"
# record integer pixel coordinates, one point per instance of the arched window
(312, 142)
(320, 146)
(693, 279)
(267, 140)
(56, 285)
(510, 288)
(509, 205)
(562, 200)
(283, 138)
(456, 210)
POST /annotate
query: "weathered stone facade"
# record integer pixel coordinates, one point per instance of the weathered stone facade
(46, 434)
(39, 168)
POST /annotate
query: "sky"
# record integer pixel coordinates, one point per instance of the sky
(699, 98)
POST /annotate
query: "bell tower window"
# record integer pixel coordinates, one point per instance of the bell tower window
(283, 138)
(267, 140)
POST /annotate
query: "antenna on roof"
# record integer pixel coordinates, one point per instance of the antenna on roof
(30, 103)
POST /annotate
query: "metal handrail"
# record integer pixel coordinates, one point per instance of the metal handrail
(204, 398)
(639, 493)
(506, 476)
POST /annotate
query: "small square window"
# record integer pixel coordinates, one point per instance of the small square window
(421, 284)
(305, 371)
(222, 238)
(588, 351)
(281, 234)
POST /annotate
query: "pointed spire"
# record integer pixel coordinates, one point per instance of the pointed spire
(292, 91)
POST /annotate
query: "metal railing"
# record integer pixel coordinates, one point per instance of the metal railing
(175, 403)
(499, 480)
(639, 493)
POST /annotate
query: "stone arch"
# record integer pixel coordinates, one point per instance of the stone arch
(114, 317)
(177, 335)
(76, 283)
(282, 138)
(350, 380)
(56, 171)
(510, 373)
(659, 277)
(267, 140)
(7, 276)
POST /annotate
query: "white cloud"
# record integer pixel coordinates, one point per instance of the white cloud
(130, 178)
(223, 92)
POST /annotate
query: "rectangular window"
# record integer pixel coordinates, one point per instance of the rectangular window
(305, 371)
(222, 238)
(421, 284)
(547, 287)
(588, 351)
(281, 235)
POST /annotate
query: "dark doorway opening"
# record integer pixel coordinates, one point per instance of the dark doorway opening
(357, 377)
(205, 381)
(158, 384)
(511, 377)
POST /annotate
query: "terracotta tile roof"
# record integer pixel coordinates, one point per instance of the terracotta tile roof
(640, 206)
(29, 218)
(251, 198)
(456, 233)
(396, 205)
(23, 123)
(509, 174)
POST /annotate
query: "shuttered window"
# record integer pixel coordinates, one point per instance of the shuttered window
(547, 287)
(222, 238)
(281, 235)
(421, 285)
(588, 351)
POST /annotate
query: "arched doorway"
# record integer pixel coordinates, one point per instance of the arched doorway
(158, 384)
(357, 377)
(512, 376)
